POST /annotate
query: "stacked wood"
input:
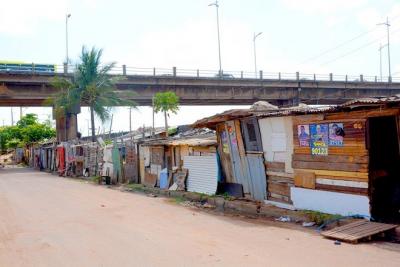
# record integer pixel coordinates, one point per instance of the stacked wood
(278, 182)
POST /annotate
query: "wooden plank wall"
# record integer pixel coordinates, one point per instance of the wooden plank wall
(278, 182)
(278, 157)
(345, 169)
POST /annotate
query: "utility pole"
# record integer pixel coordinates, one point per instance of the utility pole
(66, 38)
(20, 113)
(152, 104)
(255, 55)
(12, 117)
(387, 24)
(130, 119)
(380, 59)
(109, 135)
(219, 41)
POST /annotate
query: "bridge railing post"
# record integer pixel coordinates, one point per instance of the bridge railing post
(33, 68)
(279, 76)
(330, 77)
(124, 70)
(346, 78)
(241, 75)
(65, 68)
(261, 74)
(297, 76)
(154, 71)
(198, 73)
(174, 71)
(376, 79)
(361, 78)
(315, 77)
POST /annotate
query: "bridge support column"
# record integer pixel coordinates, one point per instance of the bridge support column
(66, 126)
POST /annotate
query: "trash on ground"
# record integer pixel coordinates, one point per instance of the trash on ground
(283, 219)
(308, 224)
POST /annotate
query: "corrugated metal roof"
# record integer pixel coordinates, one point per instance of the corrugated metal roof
(375, 100)
(231, 114)
(205, 140)
(302, 109)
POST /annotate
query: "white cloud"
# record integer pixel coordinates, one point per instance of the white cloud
(21, 17)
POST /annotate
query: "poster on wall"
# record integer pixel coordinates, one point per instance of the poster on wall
(319, 139)
(336, 134)
(303, 133)
(224, 140)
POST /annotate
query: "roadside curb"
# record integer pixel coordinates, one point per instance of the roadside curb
(221, 204)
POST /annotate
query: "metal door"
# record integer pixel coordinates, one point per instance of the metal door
(240, 169)
(257, 178)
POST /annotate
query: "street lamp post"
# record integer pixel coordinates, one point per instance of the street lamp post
(219, 41)
(66, 38)
(380, 59)
(255, 54)
(387, 24)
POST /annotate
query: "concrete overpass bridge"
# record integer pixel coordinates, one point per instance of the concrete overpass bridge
(194, 87)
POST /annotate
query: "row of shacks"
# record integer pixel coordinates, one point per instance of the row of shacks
(341, 160)
(338, 159)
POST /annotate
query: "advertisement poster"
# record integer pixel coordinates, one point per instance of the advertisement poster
(336, 134)
(319, 139)
(224, 140)
(303, 133)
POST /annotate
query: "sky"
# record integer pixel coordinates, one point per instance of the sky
(309, 36)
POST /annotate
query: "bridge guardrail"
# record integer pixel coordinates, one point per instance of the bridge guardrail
(196, 73)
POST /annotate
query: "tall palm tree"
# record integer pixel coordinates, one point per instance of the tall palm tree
(92, 86)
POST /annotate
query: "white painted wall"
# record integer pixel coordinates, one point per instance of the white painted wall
(329, 202)
(277, 140)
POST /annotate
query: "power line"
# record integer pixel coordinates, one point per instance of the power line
(338, 46)
(356, 50)
(345, 42)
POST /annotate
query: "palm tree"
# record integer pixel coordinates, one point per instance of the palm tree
(165, 102)
(92, 86)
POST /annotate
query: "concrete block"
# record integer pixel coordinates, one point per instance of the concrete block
(242, 207)
(177, 193)
(218, 202)
(193, 196)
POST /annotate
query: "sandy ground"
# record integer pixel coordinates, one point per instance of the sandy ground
(50, 221)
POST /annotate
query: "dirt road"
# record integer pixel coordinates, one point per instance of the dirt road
(50, 221)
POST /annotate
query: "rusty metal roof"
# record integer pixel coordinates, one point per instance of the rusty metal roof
(302, 109)
(209, 140)
(372, 101)
(231, 114)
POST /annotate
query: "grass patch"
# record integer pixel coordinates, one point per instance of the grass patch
(319, 217)
(178, 200)
(136, 187)
(95, 179)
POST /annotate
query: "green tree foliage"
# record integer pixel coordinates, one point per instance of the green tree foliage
(27, 130)
(166, 102)
(92, 86)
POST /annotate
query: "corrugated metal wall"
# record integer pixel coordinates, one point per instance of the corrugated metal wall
(203, 174)
(257, 180)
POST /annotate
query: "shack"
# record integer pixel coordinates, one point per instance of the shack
(190, 149)
(336, 159)
(241, 152)
(346, 160)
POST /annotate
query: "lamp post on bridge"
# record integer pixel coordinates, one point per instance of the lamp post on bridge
(380, 59)
(255, 55)
(387, 24)
(66, 38)
(219, 41)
